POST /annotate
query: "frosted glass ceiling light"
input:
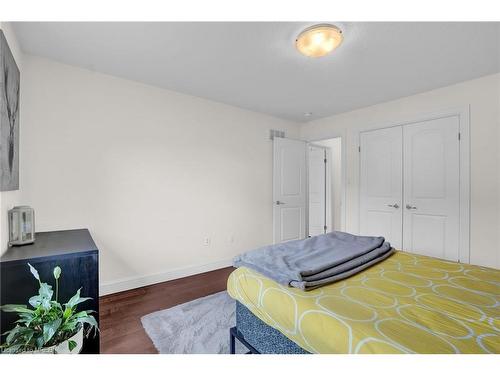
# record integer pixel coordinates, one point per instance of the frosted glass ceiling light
(319, 40)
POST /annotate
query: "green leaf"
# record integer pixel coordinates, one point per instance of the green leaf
(24, 316)
(26, 319)
(49, 329)
(56, 304)
(12, 334)
(16, 308)
(80, 314)
(75, 300)
(46, 304)
(89, 320)
(28, 336)
(57, 272)
(34, 272)
(45, 291)
(83, 299)
(18, 332)
(71, 345)
(35, 301)
(70, 326)
(67, 312)
(44, 299)
(39, 342)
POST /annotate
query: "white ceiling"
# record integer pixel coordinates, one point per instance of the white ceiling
(255, 65)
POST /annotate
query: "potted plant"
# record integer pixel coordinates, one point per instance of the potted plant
(49, 327)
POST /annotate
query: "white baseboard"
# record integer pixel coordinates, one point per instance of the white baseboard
(139, 281)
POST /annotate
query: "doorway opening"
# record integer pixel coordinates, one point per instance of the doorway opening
(325, 187)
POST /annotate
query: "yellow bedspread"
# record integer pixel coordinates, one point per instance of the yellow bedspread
(405, 304)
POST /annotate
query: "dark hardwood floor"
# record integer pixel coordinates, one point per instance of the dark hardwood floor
(120, 313)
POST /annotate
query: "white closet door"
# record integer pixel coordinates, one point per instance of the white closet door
(431, 188)
(317, 190)
(289, 189)
(381, 184)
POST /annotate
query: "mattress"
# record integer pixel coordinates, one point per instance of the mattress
(405, 304)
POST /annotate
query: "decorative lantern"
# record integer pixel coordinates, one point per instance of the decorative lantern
(21, 226)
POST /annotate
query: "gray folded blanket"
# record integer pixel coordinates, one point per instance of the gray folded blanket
(310, 285)
(316, 261)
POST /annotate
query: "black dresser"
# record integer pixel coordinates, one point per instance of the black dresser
(72, 250)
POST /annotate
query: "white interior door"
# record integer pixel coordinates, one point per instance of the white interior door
(431, 188)
(319, 205)
(289, 189)
(381, 189)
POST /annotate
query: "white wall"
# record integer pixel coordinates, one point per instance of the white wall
(150, 172)
(9, 199)
(483, 96)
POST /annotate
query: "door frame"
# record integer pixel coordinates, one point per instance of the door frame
(463, 114)
(328, 183)
(342, 176)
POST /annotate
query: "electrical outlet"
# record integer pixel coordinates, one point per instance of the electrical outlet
(206, 241)
(231, 238)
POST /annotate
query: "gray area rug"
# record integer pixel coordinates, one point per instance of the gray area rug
(196, 327)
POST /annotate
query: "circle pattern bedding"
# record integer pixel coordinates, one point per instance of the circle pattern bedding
(405, 304)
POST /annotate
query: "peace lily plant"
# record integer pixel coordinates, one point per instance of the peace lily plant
(49, 327)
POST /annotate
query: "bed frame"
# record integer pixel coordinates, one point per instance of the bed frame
(233, 335)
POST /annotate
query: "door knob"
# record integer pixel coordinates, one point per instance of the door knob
(279, 202)
(395, 205)
(410, 207)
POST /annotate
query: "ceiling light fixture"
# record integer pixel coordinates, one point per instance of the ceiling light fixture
(319, 40)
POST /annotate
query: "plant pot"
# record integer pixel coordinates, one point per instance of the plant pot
(63, 347)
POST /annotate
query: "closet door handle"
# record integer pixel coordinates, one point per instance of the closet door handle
(279, 202)
(410, 207)
(395, 205)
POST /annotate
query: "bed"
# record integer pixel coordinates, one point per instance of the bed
(405, 304)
